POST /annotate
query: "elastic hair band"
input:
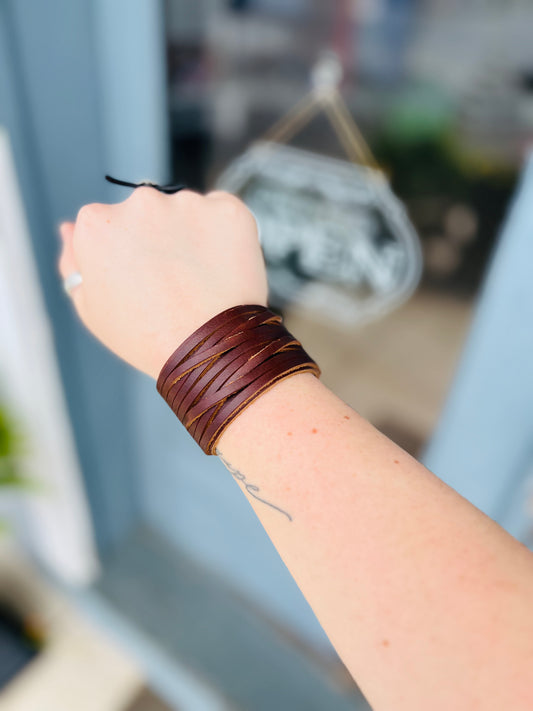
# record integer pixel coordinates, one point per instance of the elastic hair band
(162, 188)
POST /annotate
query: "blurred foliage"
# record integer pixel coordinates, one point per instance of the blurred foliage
(431, 171)
(12, 446)
(20, 633)
(437, 164)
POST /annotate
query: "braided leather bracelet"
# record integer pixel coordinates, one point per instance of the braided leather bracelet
(225, 365)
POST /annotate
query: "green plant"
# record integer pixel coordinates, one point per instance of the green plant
(21, 633)
(11, 450)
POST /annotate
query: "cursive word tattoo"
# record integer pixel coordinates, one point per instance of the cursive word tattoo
(252, 489)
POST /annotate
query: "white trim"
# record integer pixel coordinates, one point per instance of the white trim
(57, 524)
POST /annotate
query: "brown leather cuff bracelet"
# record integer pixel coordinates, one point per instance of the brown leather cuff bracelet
(225, 365)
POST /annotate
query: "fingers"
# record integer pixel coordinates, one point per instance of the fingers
(67, 261)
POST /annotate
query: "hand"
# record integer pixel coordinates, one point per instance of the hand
(156, 267)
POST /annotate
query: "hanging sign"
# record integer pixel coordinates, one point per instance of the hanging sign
(336, 240)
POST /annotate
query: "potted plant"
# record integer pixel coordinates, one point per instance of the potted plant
(20, 636)
(11, 447)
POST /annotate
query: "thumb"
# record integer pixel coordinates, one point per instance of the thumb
(66, 230)
(67, 263)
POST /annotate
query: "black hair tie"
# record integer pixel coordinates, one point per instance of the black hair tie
(169, 189)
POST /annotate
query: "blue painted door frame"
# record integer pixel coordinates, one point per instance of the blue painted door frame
(76, 94)
(483, 445)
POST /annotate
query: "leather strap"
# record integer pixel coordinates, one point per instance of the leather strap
(196, 339)
(225, 365)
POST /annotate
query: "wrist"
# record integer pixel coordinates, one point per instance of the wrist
(269, 415)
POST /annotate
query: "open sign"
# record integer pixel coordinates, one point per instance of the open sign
(336, 240)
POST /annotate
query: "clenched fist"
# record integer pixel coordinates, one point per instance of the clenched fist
(156, 267)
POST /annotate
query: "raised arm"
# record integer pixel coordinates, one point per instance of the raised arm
(426, 600)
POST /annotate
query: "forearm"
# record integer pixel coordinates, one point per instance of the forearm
(426, 600)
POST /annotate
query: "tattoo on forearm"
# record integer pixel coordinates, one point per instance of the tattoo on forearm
(252, 489)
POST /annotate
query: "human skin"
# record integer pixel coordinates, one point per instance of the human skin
(426, 600)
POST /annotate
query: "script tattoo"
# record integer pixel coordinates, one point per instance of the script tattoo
(252, 489)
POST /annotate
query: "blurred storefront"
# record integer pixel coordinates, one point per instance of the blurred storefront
(174, 92)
